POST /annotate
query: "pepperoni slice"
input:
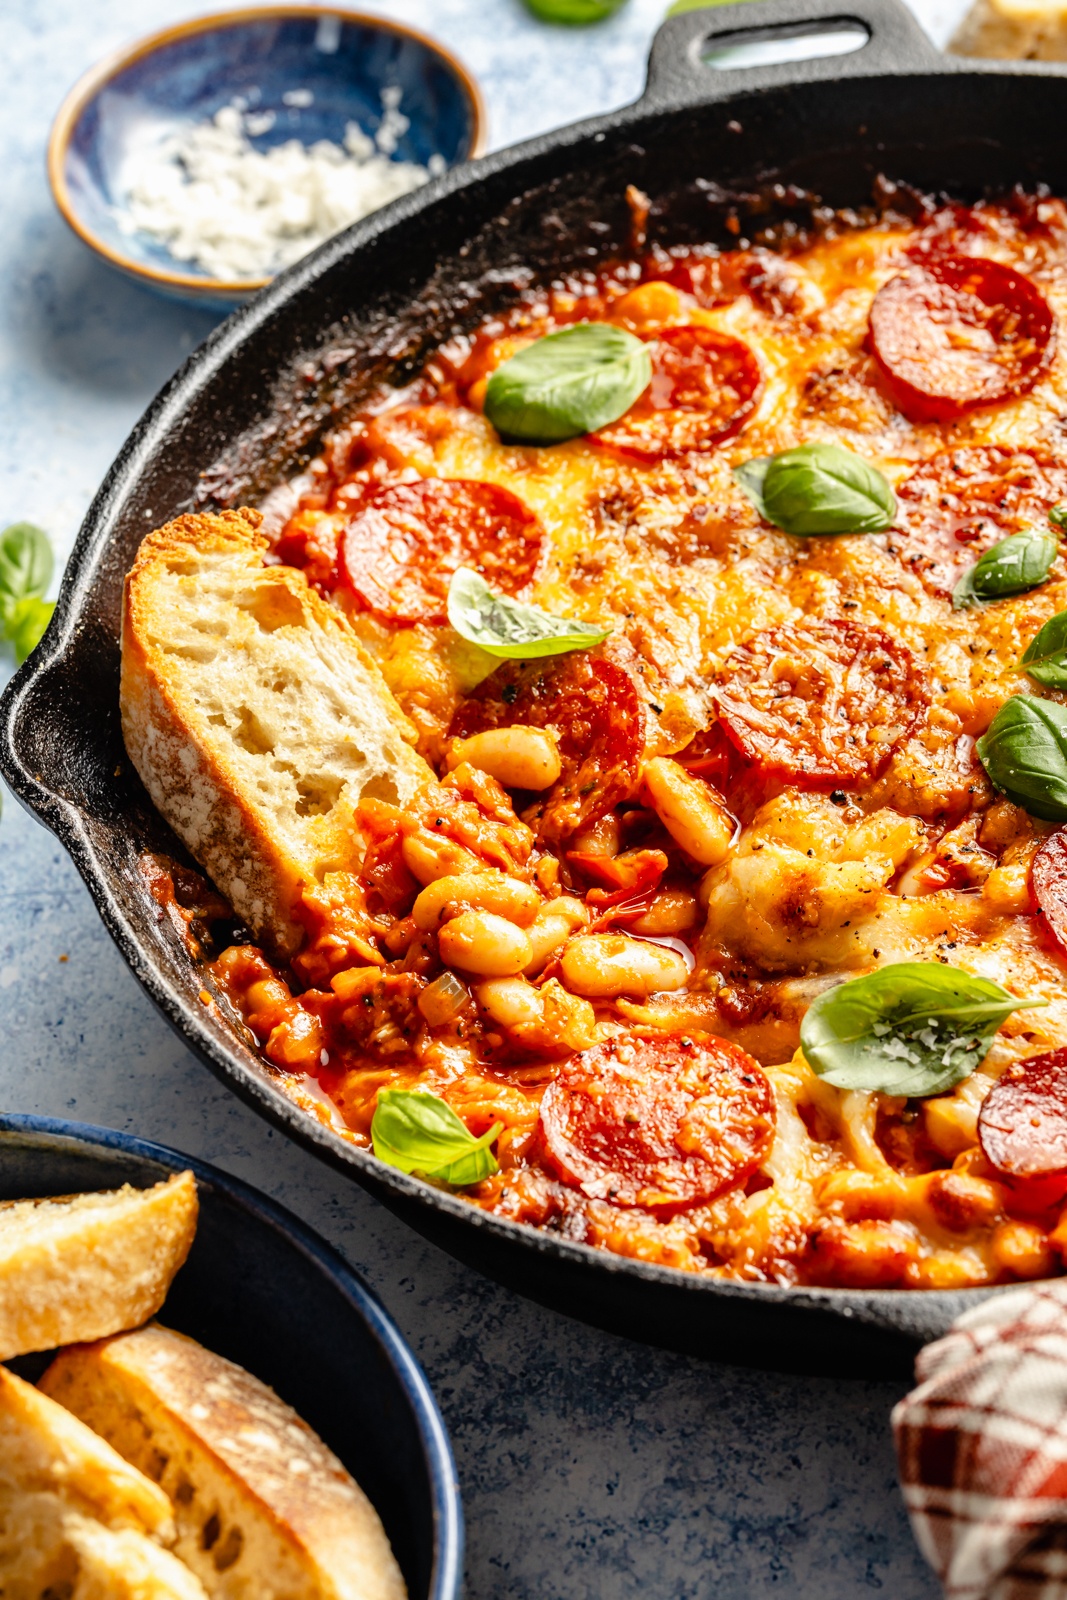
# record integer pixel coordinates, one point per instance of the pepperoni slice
(953, 332)
(704, 388)
(1022, 1126)
(399, 550)
(819, 702)
(1048, 886)
(593, 709)
(957, 504)
(666, 1123)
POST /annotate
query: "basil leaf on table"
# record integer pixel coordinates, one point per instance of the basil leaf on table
(25, 622)
(509, 629)
(25, 573)
(818, 489)
(420, 1132)
(1011, 566)
(568, 383)
(913, 1028)
(25, 562)
(1024, 751)
(1045, 657)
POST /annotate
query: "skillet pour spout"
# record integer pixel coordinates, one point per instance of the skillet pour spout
(707, 146)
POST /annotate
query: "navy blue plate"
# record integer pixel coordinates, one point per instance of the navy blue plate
(263, 1290)
(342, 60)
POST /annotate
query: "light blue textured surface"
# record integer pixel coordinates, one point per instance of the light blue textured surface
(593, 1469)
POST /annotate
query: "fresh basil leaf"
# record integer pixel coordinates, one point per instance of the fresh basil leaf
(1024, 751)
(479, 1162)
(1058, 514)
(25, 622)
(818, 488)
(420, 1132)
(1045, 657)
(25, 561)
(1011, 566)
(752, 475)
(509, 629)
(912, 1028)
(568, 383)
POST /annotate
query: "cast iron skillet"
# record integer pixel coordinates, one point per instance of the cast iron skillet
(253, 400)
(263, 1290)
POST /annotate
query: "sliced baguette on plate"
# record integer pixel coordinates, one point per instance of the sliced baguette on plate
(254, 716)
(82, 1266)
(264, 1510)
(76, 1520)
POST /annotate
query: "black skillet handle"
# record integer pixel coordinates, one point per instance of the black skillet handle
(679, 75)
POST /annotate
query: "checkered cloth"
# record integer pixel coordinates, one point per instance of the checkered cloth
(982, 1449)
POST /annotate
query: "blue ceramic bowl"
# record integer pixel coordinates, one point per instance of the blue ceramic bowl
(262, 1289)
(340, 60)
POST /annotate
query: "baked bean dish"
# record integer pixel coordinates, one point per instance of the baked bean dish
(721, 598)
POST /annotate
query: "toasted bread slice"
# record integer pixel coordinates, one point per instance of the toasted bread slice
(264, 1510)
(75, 1518)
(86, 1265)
(1013, 30)
(44, 1449)
(254, 717)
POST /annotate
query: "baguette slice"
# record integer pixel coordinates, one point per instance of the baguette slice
(83, 1266)
(254, 717)
(264, 1510)
(44, 1450)
(1013, 30)
(76, 1520)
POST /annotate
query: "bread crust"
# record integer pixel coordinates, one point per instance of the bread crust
(82, 1266)
(254, 717)
(263, 1508)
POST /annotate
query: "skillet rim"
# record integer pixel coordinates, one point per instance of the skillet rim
(897, 47)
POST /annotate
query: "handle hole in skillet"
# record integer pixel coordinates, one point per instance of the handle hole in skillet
(764, 47)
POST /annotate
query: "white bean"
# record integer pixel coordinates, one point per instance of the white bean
(604, 965)
(511, 1002)
(551, 929)
(483, 944)
(689, 811)
(475, 891)
(518, 757)
(428, 858)
(671, 911)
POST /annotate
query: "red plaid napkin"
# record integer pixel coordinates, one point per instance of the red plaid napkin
(982, 1449)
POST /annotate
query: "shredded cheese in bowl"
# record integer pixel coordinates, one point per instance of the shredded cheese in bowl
(211, 197)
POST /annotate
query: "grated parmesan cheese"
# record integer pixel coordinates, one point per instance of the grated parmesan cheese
(212, 198)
